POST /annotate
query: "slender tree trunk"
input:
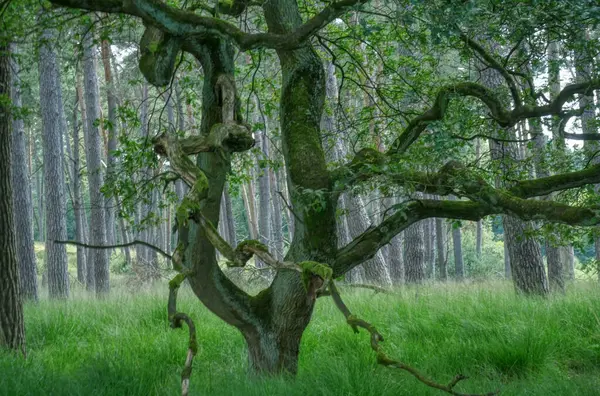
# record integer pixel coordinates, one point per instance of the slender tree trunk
(12, 328)
(277, 226)
(22, 196)
(90, 283)
(479, 226)
(440, 239)
(99, 257)
(52, 124)
(112, 204)
(459, 266)
(77, 204)
(229, 217)
(264, 194)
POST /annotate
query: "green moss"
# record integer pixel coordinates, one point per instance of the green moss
(310, 268)
(252, 243)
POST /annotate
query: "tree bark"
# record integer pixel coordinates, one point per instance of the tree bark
(78, 210)
(99, 257)
(89, 267)
(459, 266)
(112, 204)
(12, 328)
(22, 196)
(264, 194)
(52, 123)
(414, 254)
(440, 239)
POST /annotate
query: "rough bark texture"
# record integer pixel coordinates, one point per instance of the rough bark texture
(583, 71)
(99, 257)
(113, 133)
(554, 256)
(440, 241)
(22, 196)
(232, 239)
(376, 271)
(52, 123)
(85, 233)
(459, 266)
(479, 226)
(78, 210)
(414, 254)
(12, 329)
(264, 193)
(524, 254)
(277, 222)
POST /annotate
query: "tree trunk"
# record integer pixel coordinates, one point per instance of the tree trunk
(479, 227)
(90, 283)
(264, 194)
(22, 196)
(232, 239)
(440, 240)
(524, 254)
(12, 328)
(112, 204)
(78, 210)
(99, 257)
(277, 226)
(583, 72)
(414, 254)
(52, 123)
(459, 267)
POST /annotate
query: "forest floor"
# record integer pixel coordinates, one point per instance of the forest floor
(124, 346)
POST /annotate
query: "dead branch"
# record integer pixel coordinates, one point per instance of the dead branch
(384, 360)
(176, 319)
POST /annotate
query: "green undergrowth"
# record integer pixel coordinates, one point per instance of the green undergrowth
(124, 346)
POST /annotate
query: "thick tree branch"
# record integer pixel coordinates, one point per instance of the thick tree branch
(489, 201)
(502, 117)
(184, 24)
(493, 63)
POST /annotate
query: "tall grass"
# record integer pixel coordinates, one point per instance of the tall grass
(123, 345)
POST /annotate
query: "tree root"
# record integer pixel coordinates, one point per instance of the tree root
(385, 360)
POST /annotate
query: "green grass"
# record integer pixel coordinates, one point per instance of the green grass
(123, 346)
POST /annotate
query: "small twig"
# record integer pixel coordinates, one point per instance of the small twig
(285, 202)
(376, 289)
(119, 245)
(383, 359)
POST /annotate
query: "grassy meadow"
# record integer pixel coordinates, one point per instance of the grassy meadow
(124, 346)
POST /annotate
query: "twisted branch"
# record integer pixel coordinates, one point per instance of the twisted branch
(176, 319)
(382, 358)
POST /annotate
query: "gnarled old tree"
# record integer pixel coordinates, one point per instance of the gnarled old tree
(272, 322)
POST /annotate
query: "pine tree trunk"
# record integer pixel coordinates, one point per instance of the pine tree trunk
(12, 328)
(90, 277)
(229, 217)
(414, 254)
(440, 240)
(264, 193)
(479, 227)
(52, 123)
(99, 257)
(524, 254)
(112, 204)
(78, 210)
(459, 266)
(22, 197)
